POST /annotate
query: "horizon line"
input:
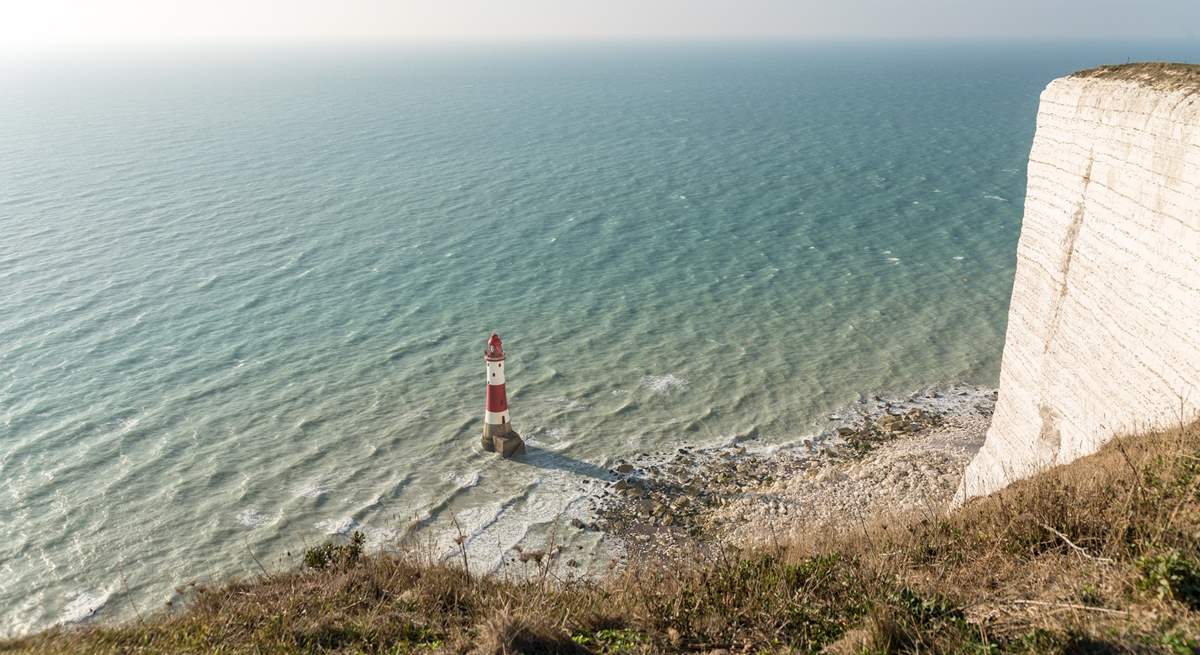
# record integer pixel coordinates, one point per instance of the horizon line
(115, 45)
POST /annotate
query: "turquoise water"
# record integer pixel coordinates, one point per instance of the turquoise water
(243, 297)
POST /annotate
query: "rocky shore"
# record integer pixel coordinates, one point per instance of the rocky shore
(879, 458)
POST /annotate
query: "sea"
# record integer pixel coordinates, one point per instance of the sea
(244, 292)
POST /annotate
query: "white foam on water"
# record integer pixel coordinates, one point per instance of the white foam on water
(664, 384)
(51, 566)
(84, 606)
(22, 618)
(496, 528)
(344, 525)
(993, 197)
(377, 538)
(555, 439)
(958, 258)
(894, 260)
(474, 520)
(463, 480)
(127, 425)
(310, 490)
(252, 518)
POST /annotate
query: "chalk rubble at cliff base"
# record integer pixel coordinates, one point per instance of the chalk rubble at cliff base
(896, 456)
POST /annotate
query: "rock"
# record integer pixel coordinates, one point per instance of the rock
(532, 555)
(831, 474)
(625, 469)
(508, 445)
(843, 431)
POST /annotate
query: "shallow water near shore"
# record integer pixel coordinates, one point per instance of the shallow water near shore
(243, 298)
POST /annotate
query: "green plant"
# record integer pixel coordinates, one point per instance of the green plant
(1173, 575)
(330, 554)
(611, 640)
(907, 622)
(1179, 643)
(1091, 596)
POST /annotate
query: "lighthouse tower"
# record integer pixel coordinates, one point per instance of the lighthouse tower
(498, 435)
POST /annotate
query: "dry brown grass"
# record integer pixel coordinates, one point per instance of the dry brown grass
(1155, 74)
(1102, 555)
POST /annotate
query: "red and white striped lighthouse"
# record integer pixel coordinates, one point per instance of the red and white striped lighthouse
(498, 435)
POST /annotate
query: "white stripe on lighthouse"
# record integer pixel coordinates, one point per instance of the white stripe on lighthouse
(495, 418)
(495, 372)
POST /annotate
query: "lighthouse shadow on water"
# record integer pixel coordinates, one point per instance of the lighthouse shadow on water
(551, 460)
(498, 434)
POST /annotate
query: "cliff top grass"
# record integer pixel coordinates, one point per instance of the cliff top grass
(1156, 74)
(1102, 555)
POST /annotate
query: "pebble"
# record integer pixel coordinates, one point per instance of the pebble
(692, 497)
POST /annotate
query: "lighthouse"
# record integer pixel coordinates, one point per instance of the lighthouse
(498, 435)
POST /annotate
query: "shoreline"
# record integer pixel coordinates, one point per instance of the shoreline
(879, 458)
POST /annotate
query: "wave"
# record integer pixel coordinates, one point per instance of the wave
(84, 606)
(664, 384)
(250, 517)
(341, 526)
(310, 490)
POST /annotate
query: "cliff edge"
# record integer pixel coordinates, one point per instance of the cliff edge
(1104, 325)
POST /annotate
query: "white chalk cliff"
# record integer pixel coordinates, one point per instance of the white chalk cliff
(1104, 326)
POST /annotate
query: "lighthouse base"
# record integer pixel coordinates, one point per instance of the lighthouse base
(509, 445)
(501, 439)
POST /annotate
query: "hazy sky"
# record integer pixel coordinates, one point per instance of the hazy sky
(43, 24)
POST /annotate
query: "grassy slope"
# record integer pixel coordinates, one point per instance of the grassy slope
(1156, 74)
(1102, 555)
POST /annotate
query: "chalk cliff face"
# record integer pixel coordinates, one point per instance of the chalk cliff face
(1104, 327)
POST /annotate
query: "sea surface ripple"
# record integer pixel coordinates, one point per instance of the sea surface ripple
(243, 297)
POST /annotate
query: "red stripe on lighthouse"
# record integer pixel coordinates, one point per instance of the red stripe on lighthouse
(494, 356)
(496, 402)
